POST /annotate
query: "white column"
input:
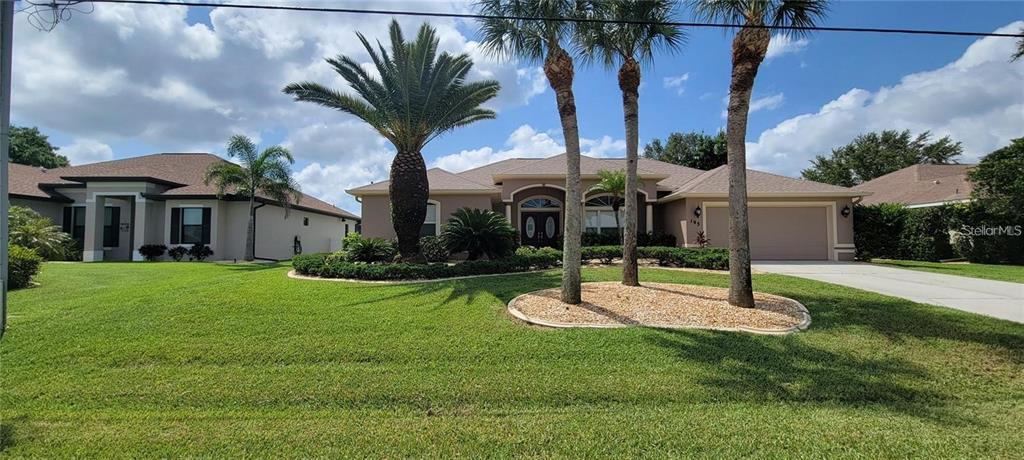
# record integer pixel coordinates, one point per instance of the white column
(650, 217)
(92, 250)
(139, 227)
(508, 212)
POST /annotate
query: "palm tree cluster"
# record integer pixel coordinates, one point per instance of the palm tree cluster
(420, 95)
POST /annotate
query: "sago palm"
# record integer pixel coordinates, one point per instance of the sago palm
(629, 44)
(420, 95)
(614, 184)
(756, 19)
(508, 34)
(267, 173)
(479, 232)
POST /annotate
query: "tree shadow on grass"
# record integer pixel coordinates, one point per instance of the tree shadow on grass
(744, 367)
(899, 319)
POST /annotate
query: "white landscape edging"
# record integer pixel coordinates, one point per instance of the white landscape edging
(805, 322)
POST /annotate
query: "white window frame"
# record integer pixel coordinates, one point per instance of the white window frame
(437, 217)
(600, 209)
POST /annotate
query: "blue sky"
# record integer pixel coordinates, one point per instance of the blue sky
(131, 80)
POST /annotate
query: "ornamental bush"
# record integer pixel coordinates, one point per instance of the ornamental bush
(606, 254)
(199, 252)
(370, 250)
(479, 232)
(22, 265)
(177, 253)
(152, 252)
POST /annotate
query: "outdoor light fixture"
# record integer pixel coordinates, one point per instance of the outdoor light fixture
(696, 212)
(846, 211)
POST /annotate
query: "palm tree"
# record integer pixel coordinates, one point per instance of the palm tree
(267, 173)
(479, 232)
(506, 33)
(629, 45)
(1020, 47)
(613, 184)
(420, 95)
(756, 18)
(30, 229)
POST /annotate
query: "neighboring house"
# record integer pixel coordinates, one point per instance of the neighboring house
(920, 186)
(789, 218)
(114, 207)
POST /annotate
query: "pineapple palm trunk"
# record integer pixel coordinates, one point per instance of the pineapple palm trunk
(748, 50)
(629, 83)
(559, 70)
(408, 191)
(250, 230)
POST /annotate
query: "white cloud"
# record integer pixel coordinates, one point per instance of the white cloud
(148, 76)
(329, 182)
(527, 142)
(84, 151)
(976, 99)
(677, 82)
(782, 44)
(766, 103)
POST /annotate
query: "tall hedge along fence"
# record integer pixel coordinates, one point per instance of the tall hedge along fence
(525, 259)
(893, 231)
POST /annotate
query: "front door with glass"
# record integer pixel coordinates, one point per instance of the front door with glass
(539, 228)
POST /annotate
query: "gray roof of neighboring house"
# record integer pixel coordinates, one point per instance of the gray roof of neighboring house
(679, 180)
(182, 172)
(919, 185)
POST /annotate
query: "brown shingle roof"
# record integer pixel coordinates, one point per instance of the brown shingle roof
(24, 180)
(716, 182)
(182, 171)
(439, 180)
(589, 166)
(919, 184)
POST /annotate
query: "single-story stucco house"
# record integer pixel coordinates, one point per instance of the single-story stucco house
(161, 199)
(790, 219)
(920, 186)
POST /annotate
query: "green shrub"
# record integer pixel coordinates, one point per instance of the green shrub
(370, 250)
(606, 254)
(479, 232)
(983, 237)
(662, 255)
(434, 249)
(926, 234)
(656, 239)
(351, 237)
(177, 253)
(598, 239)
(152, 252)
(199, 252)
(22, 265)
(542, 257)
(324, 266)
(31, 230)
(877, 230)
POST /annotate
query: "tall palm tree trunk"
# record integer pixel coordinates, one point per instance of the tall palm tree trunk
(559, 71)
(748, 50)
(629, 83)
(250, 231)
(409, 192)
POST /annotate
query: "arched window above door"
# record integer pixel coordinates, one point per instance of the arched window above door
(540, 203)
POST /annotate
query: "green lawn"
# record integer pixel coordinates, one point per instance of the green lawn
(179, 359)
(1014, 273)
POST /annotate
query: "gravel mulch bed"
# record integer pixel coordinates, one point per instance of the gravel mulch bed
(611, 304)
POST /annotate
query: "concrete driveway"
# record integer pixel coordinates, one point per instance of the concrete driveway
(1000, 299)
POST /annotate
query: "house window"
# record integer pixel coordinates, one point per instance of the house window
(430, 227)
(111, 227)
(190, 225)
(540, 203)
(74, 223)
(599, 215)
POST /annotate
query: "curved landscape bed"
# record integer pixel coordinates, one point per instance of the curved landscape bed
(675, 306)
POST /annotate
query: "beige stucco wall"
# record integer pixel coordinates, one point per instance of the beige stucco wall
(376, 212)
(678, 219)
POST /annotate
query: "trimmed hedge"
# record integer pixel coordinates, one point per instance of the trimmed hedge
(642, 239)
(22, 264)
(892, 231)
(525, 259)
(323, 266)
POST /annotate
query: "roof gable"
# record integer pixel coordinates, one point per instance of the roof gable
(919, 185)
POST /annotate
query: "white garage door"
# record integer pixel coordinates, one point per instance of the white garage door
(777, 233)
